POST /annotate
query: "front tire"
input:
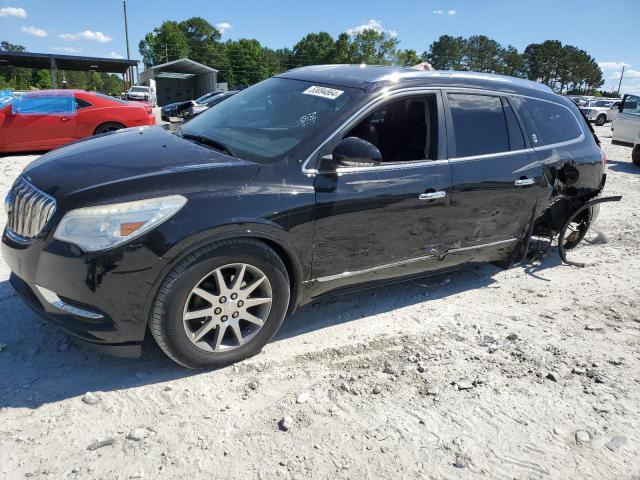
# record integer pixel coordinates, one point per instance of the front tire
(221, 304)
(635, 155)
(601, 120)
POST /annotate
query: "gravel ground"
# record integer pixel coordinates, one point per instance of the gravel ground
(532, 372)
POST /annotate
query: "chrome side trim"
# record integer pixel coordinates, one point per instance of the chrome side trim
(523, 182)
(420, 163)
(483, 245)
(56, 302)
(339, 276)
(389, 166)
(372, 269)
(432, 195)
(491, 155)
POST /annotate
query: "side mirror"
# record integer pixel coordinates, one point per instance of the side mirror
(352, 152)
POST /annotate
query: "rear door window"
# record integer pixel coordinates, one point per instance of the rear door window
(547, 123)
(479, 124)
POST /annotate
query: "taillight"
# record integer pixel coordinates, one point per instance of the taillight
(148, 109)
(603, 156)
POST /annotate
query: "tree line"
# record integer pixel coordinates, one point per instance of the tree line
(565, 68)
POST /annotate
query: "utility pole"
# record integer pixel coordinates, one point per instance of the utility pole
(126, 28)
(166, 52)
(620, 83)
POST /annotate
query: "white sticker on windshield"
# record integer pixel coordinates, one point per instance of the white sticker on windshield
(324, 92)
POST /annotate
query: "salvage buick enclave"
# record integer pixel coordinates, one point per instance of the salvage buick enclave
(311, 182)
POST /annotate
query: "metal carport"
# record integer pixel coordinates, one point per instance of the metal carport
(54, 62)
(179, 80)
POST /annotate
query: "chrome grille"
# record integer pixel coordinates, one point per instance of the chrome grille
(28, 209)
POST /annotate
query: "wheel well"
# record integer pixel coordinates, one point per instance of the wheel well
(106, 123)
(294, 279)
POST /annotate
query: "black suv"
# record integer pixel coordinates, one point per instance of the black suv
(316, 180)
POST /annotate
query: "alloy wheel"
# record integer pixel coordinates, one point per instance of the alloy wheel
(227, 307)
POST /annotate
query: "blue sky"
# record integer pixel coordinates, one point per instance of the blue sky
(608, 30)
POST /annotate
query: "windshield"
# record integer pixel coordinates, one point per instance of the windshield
(139, 89)
(264, 122)
(602, 103)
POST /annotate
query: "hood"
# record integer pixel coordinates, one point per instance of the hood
(171, 105)
(597, 109)
(135, 162)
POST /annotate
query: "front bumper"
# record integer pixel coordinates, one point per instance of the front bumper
(78, 327)
(102, 300)
(592, 116)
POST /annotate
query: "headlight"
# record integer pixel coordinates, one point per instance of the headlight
(98, 228)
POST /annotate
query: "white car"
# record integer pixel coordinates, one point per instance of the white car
(142, 93)
(626, 128)
(601, 111)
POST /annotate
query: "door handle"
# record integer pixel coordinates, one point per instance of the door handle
(522, 182)
(65, 119)
(432, 195)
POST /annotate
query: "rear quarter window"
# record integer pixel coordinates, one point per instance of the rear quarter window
(546, 122)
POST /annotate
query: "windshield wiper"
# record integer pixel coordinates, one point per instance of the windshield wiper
(221, 147)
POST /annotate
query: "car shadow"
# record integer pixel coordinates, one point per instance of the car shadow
(41, 365)
(622, 166)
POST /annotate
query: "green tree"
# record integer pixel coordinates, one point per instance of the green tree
(245, 62)
(446, 53)
(166, 43)
(203, 39)
(374, 47)
(511, 62)
(407, 58)
(41, 79)
(563, 68)
(12, 77)
(314, 49)
(11, 47)
(543, 61)
(343, 50)
(94, 82)
(481, 54)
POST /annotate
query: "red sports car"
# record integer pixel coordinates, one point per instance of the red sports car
(47, 119)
